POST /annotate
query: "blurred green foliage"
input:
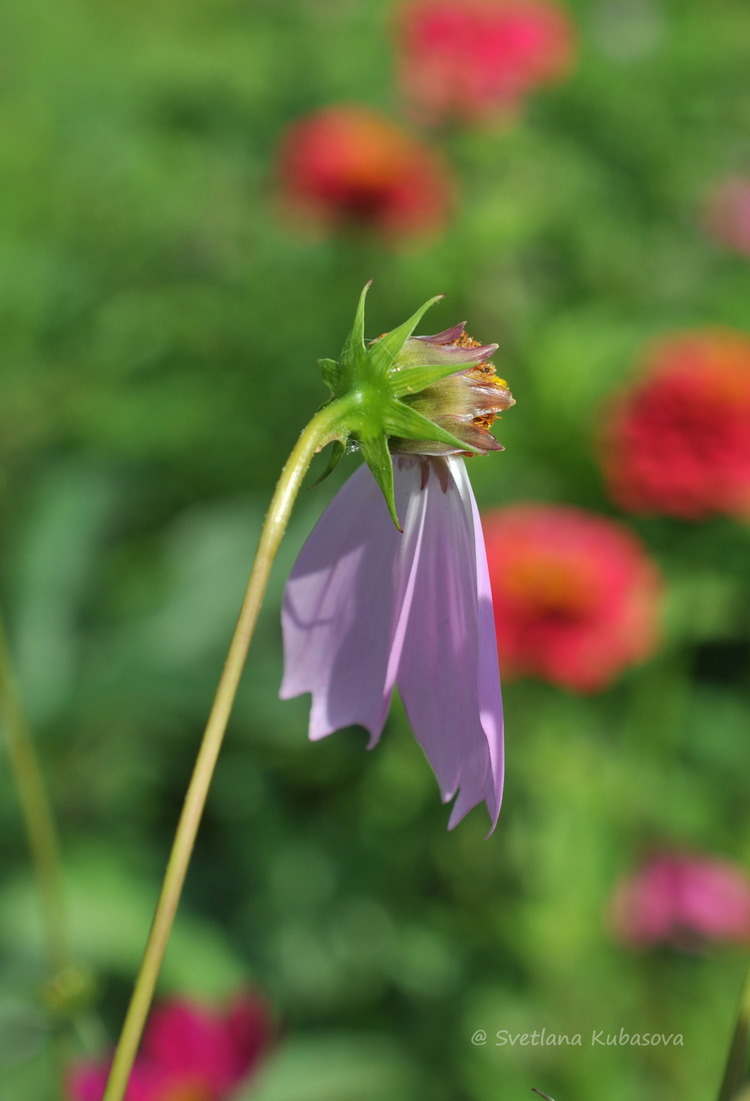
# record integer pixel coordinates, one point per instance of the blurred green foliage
(160, 327)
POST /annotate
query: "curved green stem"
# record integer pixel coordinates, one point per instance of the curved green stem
(734, 1070)
(37, 814)
(325, 426)
(41, 833)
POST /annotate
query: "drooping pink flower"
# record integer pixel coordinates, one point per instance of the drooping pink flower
(474, 59)
(189, 1053)
(576, 597)
(727, 213)
(349, 166)
(682, 899)
(368, 608)
(677, 441)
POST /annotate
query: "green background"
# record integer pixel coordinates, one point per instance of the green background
(160, 331)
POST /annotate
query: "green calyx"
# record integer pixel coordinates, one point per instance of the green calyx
(373, 384)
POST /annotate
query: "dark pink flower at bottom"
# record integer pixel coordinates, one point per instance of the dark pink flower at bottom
(188, 1053)
(682, 899)
(473, 59)
(349, 166)
(576, 597)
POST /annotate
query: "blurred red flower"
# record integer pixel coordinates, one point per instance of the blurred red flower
(727, 213)
(682, 899)
(189, 1052)
(351, 166)
(678, 440)
(474, 59)
(576, 598)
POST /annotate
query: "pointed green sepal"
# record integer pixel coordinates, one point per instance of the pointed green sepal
(382, 354)
(354, 349)
(331, 372)
(338, 450)
(404, 421)
(377, 456)
(412, 380)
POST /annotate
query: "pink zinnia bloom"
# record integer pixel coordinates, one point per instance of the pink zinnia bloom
(576, 597)
(473, 59)
(188, 1052)
(727, 214)
(682, 899)
(678, 440)
(349, 166)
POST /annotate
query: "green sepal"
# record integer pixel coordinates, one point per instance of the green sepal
(354, 350)
(377, 456)
(382, 354)
(412, 380)
(338, 450)
(331, 372)
(401, 420)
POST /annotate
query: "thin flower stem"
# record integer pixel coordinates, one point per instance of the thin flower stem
(734, 1070)
(37, 814)
(322, 429)
(41, 834)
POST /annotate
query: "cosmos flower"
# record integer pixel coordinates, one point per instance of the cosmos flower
(350, 167)
(369, 607)
(576, 598)
(677, 441)
(727, 214)
(476, 59)
(189, 1052)
(682, 899)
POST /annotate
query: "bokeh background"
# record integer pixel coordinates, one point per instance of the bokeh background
(168, 279)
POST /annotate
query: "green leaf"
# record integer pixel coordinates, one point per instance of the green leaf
(382, 355)
(377, 456)
(401, 420)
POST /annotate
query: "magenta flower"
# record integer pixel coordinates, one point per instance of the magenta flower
(577, 598)
(472, 60)
(369, 607)
(347, 166)
(682, 899)
(676, 441)
(189, 1052)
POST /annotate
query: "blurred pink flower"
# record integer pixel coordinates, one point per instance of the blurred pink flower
(349, 166)
(682, 899)
(188, 1053)
(576, 597)
(727, 213)
(368, 607)
(678, 440)
(474, 59)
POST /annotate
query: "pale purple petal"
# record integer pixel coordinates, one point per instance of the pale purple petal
(448, 674)
(345, 605)
(439, 352)
(490, 694)
(366, 606)
(448, 336)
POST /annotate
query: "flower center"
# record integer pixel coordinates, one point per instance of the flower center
(186, 1091)
(548, 589)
